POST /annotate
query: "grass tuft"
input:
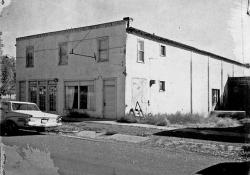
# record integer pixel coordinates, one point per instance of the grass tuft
(180, 119)
(128, 118)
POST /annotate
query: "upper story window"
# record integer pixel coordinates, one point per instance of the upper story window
(162, 85)
(162, 50)
(140, 51)
(63, 53)
(30, 56)
(103, 49)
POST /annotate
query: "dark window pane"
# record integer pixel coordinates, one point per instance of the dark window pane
(103, 49)
(30, 56)
(63, 54)
(83, 97)
(163, 50)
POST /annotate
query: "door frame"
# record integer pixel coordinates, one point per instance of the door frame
(103, 94)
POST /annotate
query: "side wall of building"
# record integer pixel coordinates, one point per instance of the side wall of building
(192, 80)
(80, 70)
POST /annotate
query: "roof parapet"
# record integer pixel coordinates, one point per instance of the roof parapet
(128, 20)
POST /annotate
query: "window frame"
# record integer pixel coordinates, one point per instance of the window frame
(161, 54)
(139, 50)
(218, 96)
(60, 57)
(80, 84)
(99, 49)
(162, 86)
(29, 60)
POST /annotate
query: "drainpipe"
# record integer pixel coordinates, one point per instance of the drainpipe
(191, 83)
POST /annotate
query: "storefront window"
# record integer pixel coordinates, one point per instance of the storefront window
(42, 98)
(33, 91)
(52, 98)
(85, 95)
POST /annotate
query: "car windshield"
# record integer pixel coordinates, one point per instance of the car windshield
(23, 106)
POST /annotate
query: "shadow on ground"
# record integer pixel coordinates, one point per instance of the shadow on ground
(227, 168)
(231, 134)
(23, 133)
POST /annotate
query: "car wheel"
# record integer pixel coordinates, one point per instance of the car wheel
(10, 128)
(2, 130)
(40, 130)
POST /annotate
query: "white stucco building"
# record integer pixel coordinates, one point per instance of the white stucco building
(106, 69)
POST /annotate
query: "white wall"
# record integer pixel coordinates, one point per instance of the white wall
(189, 76)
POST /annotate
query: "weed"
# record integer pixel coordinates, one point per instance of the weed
(128, 118)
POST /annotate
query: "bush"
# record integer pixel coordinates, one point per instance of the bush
(179, 118)
(187, 118)
(128, 118)
(226, 122)
(159, 120)
(222, 122)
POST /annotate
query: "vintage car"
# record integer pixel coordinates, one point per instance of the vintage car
(25, 115)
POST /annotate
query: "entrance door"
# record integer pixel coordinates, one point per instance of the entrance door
(109, 99)
(42, 98)
(52, 98)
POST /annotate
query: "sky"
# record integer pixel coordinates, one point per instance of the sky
(218, 26)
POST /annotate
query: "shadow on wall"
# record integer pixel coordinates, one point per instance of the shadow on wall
(236, 95)
(227, 168)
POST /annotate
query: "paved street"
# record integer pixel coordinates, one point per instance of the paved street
(54, 154)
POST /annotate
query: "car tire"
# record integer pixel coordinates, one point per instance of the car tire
(40, 130)
(2, 130)
(10, 128)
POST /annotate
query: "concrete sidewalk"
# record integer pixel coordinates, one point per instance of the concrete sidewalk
(117, 137)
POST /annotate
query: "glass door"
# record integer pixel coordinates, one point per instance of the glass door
(42, 98)
(52, 98)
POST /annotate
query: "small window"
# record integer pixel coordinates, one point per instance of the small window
(215, 97)
(103, 49)
(63, 53)
(140, 56)
(162, 86)
(163, 50)
(30, 56)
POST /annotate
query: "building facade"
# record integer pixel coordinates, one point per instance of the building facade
(109, 69)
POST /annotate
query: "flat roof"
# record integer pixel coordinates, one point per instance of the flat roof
(102, 25)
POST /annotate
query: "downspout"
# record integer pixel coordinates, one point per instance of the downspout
(208, 84)
(191, 83)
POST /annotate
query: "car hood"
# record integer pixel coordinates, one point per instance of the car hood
(38, 114)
